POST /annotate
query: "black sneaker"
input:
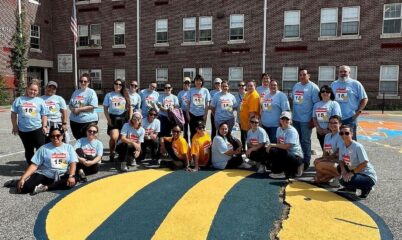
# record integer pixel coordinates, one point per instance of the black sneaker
(82, 176)
(11, 183)
(346, 190)
(364, 193)
(111, 158)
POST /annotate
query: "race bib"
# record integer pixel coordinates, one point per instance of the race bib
(89, 151)
(281, 140)
(168, 103)
(149, 131)
(133, 137)
(59, 160)
(29, 110)
(118, 103)
(341, 95)
(226, 105)
(79, 101)
(322, 114)
(298, 97)
(149, 101)
(198, 100)
(267, 104)
(327, 147)
(253, 141)
(346, 160)
(51, 106)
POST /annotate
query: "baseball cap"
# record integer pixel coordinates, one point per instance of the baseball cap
(187, 79)
(200, 124)
(52, 83)
(218, 80)
(286, 114)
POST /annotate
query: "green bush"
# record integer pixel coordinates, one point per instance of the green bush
(5, 97)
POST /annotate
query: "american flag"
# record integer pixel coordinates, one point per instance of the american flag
(74, 27)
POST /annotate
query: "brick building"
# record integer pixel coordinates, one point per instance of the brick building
(216, 39)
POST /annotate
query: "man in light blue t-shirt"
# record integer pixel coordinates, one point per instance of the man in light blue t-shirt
(149, 98)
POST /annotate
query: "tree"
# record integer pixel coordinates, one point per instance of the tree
(19, 57)
(4, 94)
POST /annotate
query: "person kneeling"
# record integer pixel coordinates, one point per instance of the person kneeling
(200, 147)
(257, 138)
(177, 149)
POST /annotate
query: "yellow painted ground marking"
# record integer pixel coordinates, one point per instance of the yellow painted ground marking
(316, 213)
(78, 214)
(192, 216)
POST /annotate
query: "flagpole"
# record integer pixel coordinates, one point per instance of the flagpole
(75, 66)
(74, 28)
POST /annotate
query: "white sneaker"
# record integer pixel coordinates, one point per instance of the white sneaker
(277, 175)
(300, 170)
(261, 168)
(245, 165)
(40, 188)
(123, 167)
(334, 182)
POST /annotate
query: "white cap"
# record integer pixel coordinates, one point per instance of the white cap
(286, 114)
(218, 80)
(187, 79)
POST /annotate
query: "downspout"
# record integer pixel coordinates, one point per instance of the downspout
(138, 44)
(264, 40)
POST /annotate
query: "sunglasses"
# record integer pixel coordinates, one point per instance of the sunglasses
(255, 122)
(152, 114)
(118, 84)
(134, 85)
(55, 136)
(241, 85)
(168, 87)
(92, 131)
(344, 133)
(325, 91)
(83, 81)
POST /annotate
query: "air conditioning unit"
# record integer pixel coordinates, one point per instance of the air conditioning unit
(94, 42)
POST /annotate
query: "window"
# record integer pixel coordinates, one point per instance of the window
(235, 76)
(96, 79)
(120, 74)
(89, 36)
(189, 29)
(189, 72)
(392, 18)
(161, 77)
(161, 27)
(35, 37)
(350, 20)
(35, 1)
(292, 24)
(326, 75)
(353, 72)
(289, 78)
(329, 22)
(87, 1)
(236, 27)
(205, 29)
(206, 73)
(389, 75)
(119, 33)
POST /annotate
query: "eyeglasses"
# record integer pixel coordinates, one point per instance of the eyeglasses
(118, 84)
(285, 119)
(241, 85)
(325, 91)
(344, 133)
(55, 136)
(81, 81)
(168, 87)
(134, 85)
(255, 122)
(92, 132)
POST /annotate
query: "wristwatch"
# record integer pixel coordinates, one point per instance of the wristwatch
(71, 176)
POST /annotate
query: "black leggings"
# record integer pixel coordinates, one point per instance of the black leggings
(93, 169)
(177, 163)
(282, 161)
(31, 140)
(153, 147)
(36, 179)
(126, 152)
(234, 162)
(193, 124)
(78, 129)
(260, 155)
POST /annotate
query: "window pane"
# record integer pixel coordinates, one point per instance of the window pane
(392, 26)
(329, 15)
(292, 17)
(161, 37)
(83, 30)
(292, 31)
(205, 35)
(189, 36)
(83, 41)
(236, 21)
(350, 28)
(322, 83)
(287, 85)
(290, 73)
(205, 23)
(328, 29)
(161, 25)
(389, 73)
(119, 39)
(34, 43)
(236, 33)
(350, 14)
(389, 87)
(162, 74)
(392, 10)
(326, 74)
(95, 29)
(119, 28)
(120, 74)
(188, 24)
(353, 72)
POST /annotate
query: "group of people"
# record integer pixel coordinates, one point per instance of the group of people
(274, 136)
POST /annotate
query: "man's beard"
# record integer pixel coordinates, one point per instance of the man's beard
(343, 78)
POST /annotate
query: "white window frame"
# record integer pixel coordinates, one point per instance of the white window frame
(161, 80)
(327, 22)
(233, 82)
(82, 2)
(91, 37)
(236, 25)
(34, 37)
(116, 33)
(189, 72)
(396, 79)
(285, 20)
(35, 1)
(206, 73)
(120, 73)
(294, 78)
(394, 18)
(321, 78)
(163, 30)
(205, 27)
(346, 20)
(96, 79)
(353, 72)
(192, 28)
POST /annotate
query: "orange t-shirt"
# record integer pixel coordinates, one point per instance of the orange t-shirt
(200, 146)
(250, 103)
(179, 146)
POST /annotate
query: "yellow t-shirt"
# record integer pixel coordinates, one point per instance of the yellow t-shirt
(179, 146)
(200, 146)
(250, 103)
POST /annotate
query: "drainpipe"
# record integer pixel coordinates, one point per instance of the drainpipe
(264, 40)
(138, 44)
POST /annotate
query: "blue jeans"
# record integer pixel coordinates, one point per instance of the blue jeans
(358, 181)
(304, 131)
(353, 123)
(271, 131)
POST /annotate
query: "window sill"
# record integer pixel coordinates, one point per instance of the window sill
(391, 35)
(188, 43)
(206, 43)
(161, 45)
(236, 41)
(87, 2)
(35, 50)
(388, 96)
(296, 39)
(119, 46)
(34, 2)
(351, 37)
(88, 48)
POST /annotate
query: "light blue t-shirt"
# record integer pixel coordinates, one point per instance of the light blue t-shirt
(199, 99)
(167, 101)
(332, 142)
(259, 136)
(262, 91)
(322, 111)
(93, 148)
(214, 92)
(355, 154)
(149, 99)
(135, 101)
(153, 127)
(136, 135)
(304, 97)
(272, 106)
(224, 105)
(54, 161)
(348, 94)
(220, 145)
(290, 135)
(29, 112)
(115, 102)
(54, 104)
(82, 98)
(182, 96)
